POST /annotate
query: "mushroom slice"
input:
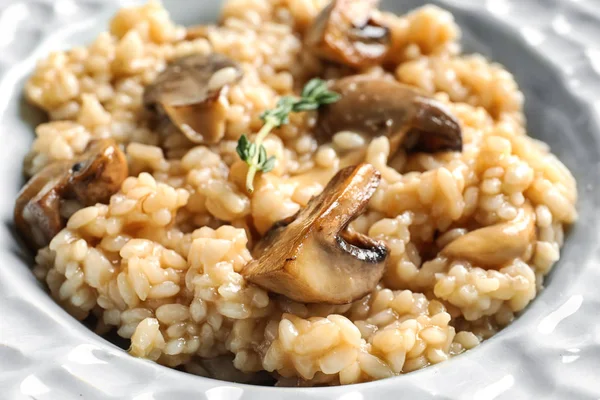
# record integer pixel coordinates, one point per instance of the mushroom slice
(496, 245)
(191, 93)
(93, 178)
(380, 107)
(37, 209)
(99, 173)
(312, 257)
(347, 32)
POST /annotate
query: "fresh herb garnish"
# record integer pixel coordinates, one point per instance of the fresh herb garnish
(314, 95)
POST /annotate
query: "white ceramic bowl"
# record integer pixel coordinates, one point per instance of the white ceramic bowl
(551, 352)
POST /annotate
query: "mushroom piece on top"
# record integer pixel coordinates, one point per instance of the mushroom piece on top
(380, 107)
(95, 176)
(312, 257)
(191, 94)
(492, 247)
(347, 32)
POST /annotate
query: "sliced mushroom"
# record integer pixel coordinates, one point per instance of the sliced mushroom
(37, 209)
(93, 178)
(380, 107)
(312, 257)
(347, 32)
(495, 246)
(191, 94)
(99, 173)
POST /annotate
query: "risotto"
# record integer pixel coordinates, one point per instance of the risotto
(395, 215)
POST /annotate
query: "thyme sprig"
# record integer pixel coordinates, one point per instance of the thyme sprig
(314, 95)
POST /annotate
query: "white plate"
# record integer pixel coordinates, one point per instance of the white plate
(550, 352)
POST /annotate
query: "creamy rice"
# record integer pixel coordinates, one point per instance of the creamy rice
(161, 263)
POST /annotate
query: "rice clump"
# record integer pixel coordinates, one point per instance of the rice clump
(160, 263)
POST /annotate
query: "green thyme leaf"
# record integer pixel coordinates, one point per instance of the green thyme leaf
(242, 148)
(262, 155)
(268, 165)
(314, 94)
(313, 86)
(329, 98)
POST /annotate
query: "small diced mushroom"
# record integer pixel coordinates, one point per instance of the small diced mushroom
(191, 94)
(496, 245)
(347, 32)
(379, 107)
(95, 176)
(312, 257)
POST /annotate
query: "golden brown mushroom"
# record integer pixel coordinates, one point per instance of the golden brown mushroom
(379, 107)
(93, 178)
(312, 257)
(496, 245)
(191, 94)
(347, 32)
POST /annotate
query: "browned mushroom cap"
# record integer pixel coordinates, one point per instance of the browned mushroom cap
(93, 178)
(347, 32)
(312, 257)
(191, 92)
(495, 246)
(380, 107)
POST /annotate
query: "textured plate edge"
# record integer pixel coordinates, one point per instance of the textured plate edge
(178, 383)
